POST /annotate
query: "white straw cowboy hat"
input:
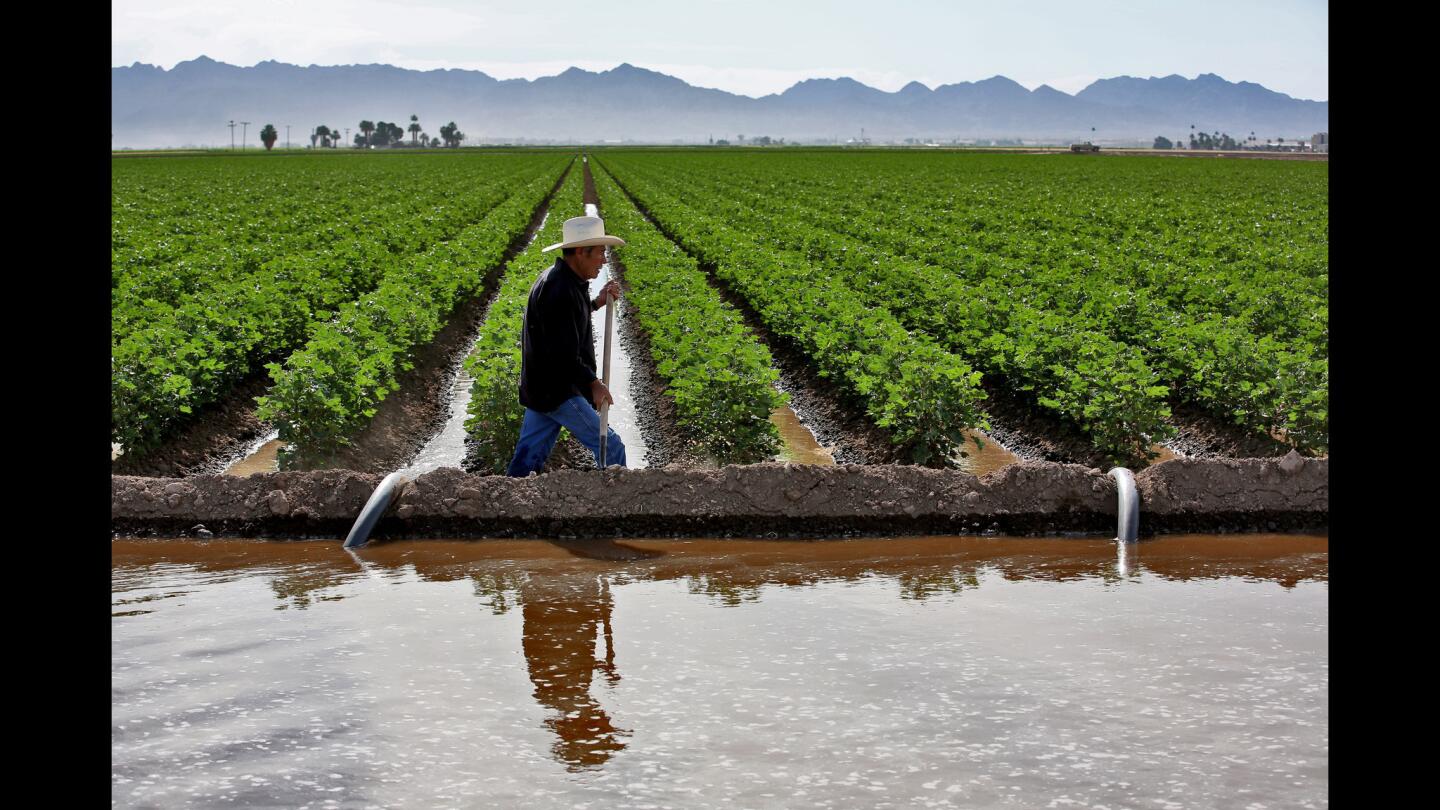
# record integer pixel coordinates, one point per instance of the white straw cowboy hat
(584, 232)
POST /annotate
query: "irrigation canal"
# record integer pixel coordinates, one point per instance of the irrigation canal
(1187, 671)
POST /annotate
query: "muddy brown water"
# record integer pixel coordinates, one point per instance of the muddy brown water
(798, 444)
(1188, 671)
(985, 456)
(1162, 454)
(264, 457)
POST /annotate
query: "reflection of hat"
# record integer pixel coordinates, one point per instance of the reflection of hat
(587, 740)
(583, 232)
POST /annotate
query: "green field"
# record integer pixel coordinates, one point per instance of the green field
(1103, 292)
(220, 265)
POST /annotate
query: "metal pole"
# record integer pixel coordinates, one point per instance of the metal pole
(243, 136)
(232, 135)
(605, 409)
(287, 136)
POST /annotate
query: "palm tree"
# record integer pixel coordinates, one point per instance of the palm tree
(268, 136)
(323, 133)
(451, 134)
(367, 127)
(414, 127)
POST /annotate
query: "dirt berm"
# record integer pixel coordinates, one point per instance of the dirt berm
(759, 500)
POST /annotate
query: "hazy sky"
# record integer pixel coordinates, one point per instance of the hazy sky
(755, 47)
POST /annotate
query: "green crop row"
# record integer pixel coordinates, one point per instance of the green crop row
(719, 376)
(182, 224)
(1104, 386)
(495, 412)
(189, 356)
(352, 241)
(1035, 314)
(923, 395)
(1249, 242)
(330, 389)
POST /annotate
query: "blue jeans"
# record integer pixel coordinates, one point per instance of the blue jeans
(540, 430)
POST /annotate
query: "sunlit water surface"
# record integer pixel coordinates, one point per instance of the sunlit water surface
(934, 672)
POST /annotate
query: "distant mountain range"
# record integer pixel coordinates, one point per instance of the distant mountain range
(191, 104)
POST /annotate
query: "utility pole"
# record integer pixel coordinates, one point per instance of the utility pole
(287, 136)
(232, 135)
(347, 134)
(243, 130)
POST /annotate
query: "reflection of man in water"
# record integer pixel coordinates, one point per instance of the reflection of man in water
(562, 615)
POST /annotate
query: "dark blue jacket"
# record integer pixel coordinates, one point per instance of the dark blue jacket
(557, 356)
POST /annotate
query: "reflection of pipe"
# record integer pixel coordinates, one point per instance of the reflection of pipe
(375, 508)
(1129, 527)
(1128, 561)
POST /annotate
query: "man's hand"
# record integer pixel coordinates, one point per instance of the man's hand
(610, 292)
(599, 394)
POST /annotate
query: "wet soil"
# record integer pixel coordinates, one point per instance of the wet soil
(757, 500)
(1204, 435)
(406, 419)
(1033, 435)
(211, 440)
(569, 454)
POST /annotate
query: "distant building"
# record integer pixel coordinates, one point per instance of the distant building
(1320, 142)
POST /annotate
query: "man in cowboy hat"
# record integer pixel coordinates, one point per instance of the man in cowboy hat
(558, 384)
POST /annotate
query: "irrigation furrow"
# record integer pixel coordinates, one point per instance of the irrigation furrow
(800, 445)
(416, 415)
(837, 425)
(172, 364)
(623, 414)
(212, 438)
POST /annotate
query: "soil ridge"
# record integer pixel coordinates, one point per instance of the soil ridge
(757, 500)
